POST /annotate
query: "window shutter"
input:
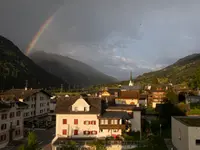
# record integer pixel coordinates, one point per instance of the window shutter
(64, 132)
(64, 121)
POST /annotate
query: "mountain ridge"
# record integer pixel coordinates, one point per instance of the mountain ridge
(70, 70)
(180, 72)
(15, 68)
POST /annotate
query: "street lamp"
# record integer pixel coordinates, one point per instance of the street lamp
(160, 129)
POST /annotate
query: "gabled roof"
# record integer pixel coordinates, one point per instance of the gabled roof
(64, 105)
(3, 105)
(20, 93)
(129, 95)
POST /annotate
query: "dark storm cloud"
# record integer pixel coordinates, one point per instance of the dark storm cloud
(114, 36)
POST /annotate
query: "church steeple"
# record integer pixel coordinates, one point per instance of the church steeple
(131, 79)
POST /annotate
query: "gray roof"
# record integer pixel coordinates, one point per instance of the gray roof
(135, 87)
(192, 121)
(115, 114)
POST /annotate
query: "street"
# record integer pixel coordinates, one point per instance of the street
(44, 137)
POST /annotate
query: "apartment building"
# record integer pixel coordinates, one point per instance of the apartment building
(85, 118)
(37, 100)
(11, 121)
(156, 97)
(186, 132)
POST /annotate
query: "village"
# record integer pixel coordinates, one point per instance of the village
(127, 117)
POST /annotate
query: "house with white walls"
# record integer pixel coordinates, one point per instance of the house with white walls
(11, 121)
(85, 118)
(186, 132)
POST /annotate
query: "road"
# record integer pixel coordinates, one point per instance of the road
(44, 137)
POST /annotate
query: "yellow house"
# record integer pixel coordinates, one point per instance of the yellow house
(128, 98)
(105, 93)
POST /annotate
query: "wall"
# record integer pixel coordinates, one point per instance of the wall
(45, 101)
(127, 101)
(194, 134)
(136, 121)
(70, 126)
(80, 104)
(179, 130)
(107, 132)
(8, 122)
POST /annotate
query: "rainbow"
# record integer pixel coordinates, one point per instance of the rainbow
(38, 34)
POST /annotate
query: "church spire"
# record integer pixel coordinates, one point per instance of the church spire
(131, 79)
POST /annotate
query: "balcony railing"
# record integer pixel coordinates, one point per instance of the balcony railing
(112, 126)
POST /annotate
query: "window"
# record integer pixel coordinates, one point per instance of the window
(12, 114)
(75, 121)
(93, 132)
(17, 132)
(17, 122)
(75, 108)
(86, 122)
(41, 98)
(114, 122)
(86, 132)
(104, 121)
(115, 130)
(85, 109)
(64, 121)
(4, 116)
(3, 137)
(198, 142)
(93, 122)
(3, 126)
(18, 113)
(47, 103)
(64, 132)
(75, 132)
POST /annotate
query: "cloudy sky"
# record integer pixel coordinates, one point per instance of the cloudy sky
(114, 36)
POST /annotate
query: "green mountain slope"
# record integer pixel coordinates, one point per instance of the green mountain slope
(180, 72)
(15, 68)
(70, 70)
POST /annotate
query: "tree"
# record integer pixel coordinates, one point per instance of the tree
(71, 145)
(195, 82)
(172, 97)
(99, 145)
(32, 143)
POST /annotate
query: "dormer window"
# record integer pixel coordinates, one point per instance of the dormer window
(85, 109)
(75, 108)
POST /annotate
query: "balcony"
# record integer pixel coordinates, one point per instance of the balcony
(113, 126)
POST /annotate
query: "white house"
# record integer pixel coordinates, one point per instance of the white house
(11, 121)
(186, 133)
(79, 118)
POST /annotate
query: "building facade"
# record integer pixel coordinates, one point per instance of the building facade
(86, 118)
(11, 121)
(186, 133)
(38, 102)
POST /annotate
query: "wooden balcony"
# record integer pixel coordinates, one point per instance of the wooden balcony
(113, 126)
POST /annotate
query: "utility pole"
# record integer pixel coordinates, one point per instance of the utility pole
(61, 88)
